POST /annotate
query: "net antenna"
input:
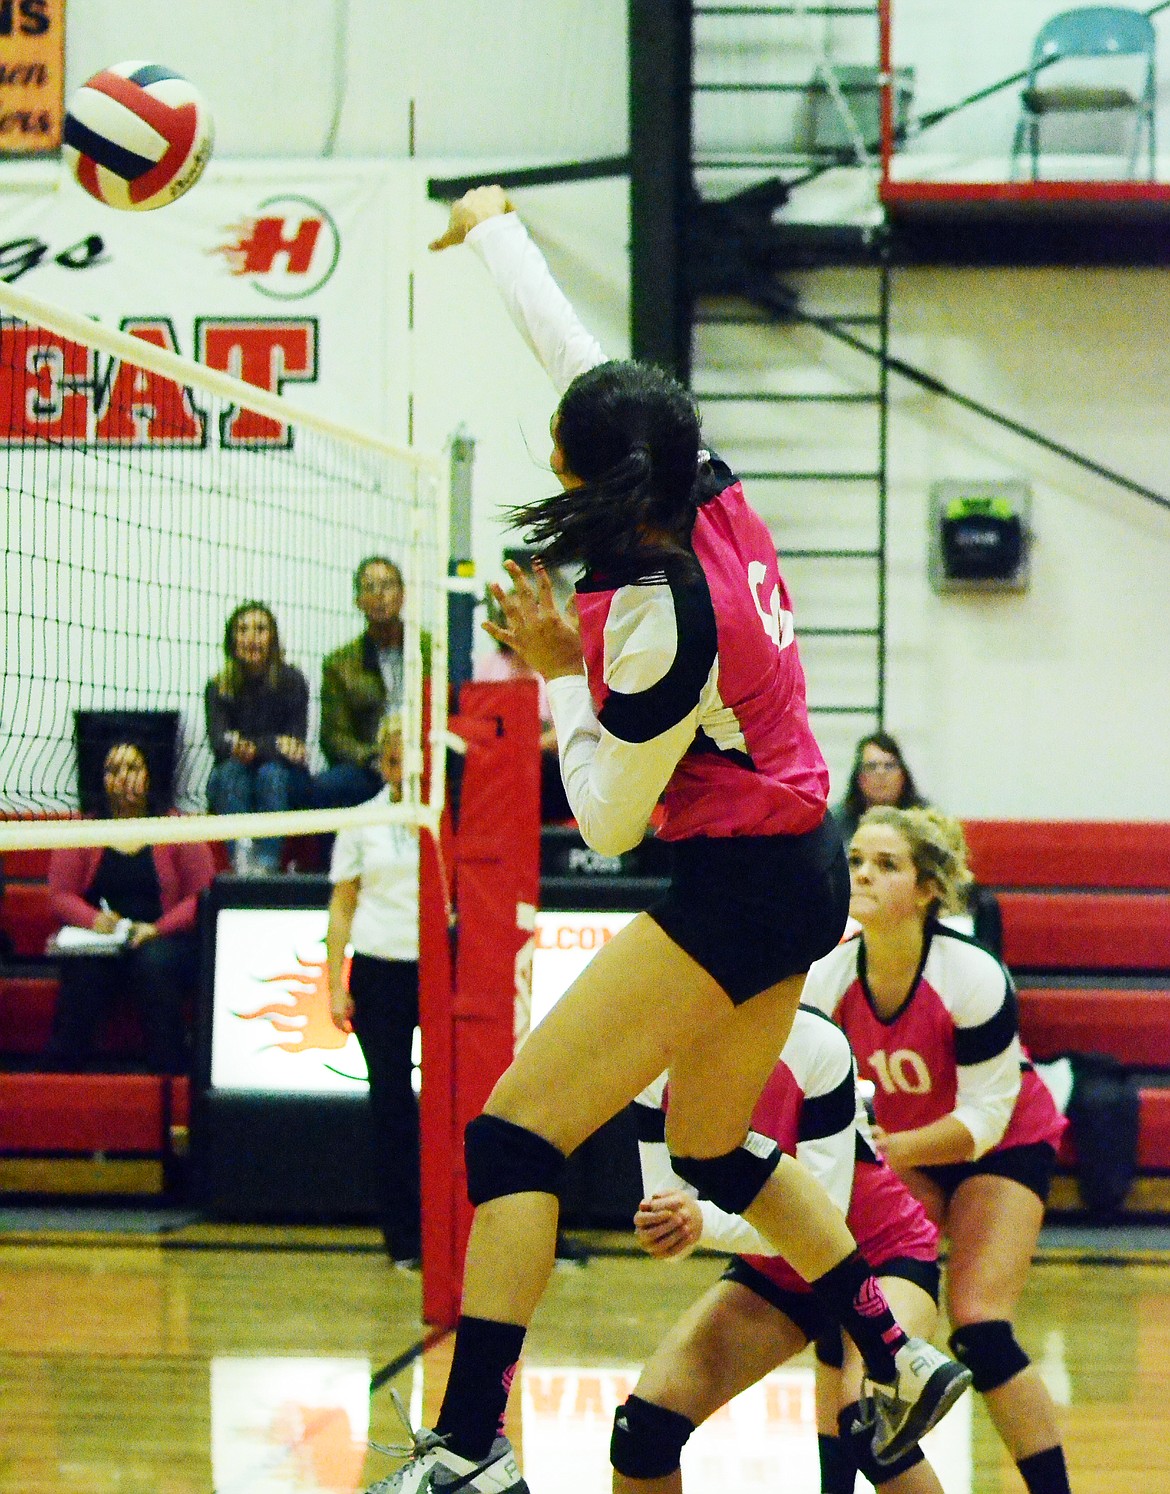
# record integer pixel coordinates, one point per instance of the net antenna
(148, 495)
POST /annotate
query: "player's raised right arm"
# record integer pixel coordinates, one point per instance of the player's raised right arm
(485, 219)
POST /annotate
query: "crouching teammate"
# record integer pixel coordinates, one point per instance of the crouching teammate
(963, 1116)
(761, 1313)
(682, 680)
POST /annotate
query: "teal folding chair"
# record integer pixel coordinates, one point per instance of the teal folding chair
(1090, 31)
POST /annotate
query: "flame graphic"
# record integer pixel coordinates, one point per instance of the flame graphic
(236, 250)
(304, 1013)
(320, 1442)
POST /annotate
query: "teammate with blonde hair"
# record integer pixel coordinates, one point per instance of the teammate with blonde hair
(961, 1113)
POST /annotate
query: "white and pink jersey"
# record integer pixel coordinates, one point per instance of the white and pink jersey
(720, 676)
(811, 1109)
(693, 682)
(952, 1049)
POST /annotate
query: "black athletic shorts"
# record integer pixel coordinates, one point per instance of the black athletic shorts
(1032, 1165)
(754, 909)
(806, 1310)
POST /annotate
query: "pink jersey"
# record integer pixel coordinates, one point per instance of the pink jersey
(952, 1049)
(884, 1217)
(723, 622)
(810, 1108)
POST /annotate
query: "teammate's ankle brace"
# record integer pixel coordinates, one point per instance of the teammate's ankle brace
(733, 1181)
(504, 1158)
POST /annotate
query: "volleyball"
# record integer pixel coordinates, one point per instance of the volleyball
(137, 136)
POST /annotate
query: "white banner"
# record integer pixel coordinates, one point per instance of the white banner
(291, 275)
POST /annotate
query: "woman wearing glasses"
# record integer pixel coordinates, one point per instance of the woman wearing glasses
(879, 776)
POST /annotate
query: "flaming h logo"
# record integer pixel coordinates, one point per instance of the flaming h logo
(287, 251)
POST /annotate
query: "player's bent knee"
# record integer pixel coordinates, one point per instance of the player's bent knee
(990, 1352)
(647, 1440)
(733, 1181)
(504, 1158)
(859, 1440)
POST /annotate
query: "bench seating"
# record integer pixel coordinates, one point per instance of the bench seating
(1130, 1024)
(1070, 853)
(91, 1133)
(1086, 921)
(1065, 931)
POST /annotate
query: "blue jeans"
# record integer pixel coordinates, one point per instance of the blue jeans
(344, 784)
(244, 788)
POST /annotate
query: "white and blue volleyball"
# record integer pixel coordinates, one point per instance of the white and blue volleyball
(137, 136)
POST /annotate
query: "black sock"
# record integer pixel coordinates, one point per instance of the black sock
(851, 1293)
(482, 1367)
(1044, 1472)
(838, 1475)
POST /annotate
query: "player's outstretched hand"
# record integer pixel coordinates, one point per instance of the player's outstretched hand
(533, 627)
(473, 208)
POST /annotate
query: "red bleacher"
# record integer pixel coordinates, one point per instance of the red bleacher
(1086, 912)
(1089, 900)
(80, 1114)
(1131, 1024)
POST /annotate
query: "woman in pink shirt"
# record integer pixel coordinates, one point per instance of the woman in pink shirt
(151, 894)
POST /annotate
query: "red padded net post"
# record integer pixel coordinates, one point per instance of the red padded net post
(472, 981)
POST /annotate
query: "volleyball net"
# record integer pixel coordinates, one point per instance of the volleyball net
(146, 497)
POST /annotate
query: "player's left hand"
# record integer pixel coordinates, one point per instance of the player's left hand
(533, 627)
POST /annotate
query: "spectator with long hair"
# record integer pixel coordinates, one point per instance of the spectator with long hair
(257, 722)
(148, 893)
(879, 775)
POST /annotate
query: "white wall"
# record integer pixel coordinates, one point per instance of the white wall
(519, 77)
(1057, 702)
(1052, 703)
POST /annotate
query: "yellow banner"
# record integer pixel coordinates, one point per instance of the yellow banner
(32, 76)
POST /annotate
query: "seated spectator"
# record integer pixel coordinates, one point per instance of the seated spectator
(881, 776)
(504, 664)
(257, 721)
(361, 683)
(151, 892)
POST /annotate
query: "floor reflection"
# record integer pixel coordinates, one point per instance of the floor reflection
(282, 1425)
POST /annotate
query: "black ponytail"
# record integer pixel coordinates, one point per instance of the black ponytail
(631, 435)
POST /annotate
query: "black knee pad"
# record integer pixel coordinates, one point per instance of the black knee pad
(990, 1352)
(859, 1440)
(503, 1158)
(733, 1181)
(647, 1440)
(831, 1348)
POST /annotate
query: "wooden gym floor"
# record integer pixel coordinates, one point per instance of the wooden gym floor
(240, 1361)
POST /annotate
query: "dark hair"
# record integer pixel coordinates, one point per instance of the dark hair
(152, 806)
(231, 676)
(855, 803)
(364, 565)
(631, 434)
